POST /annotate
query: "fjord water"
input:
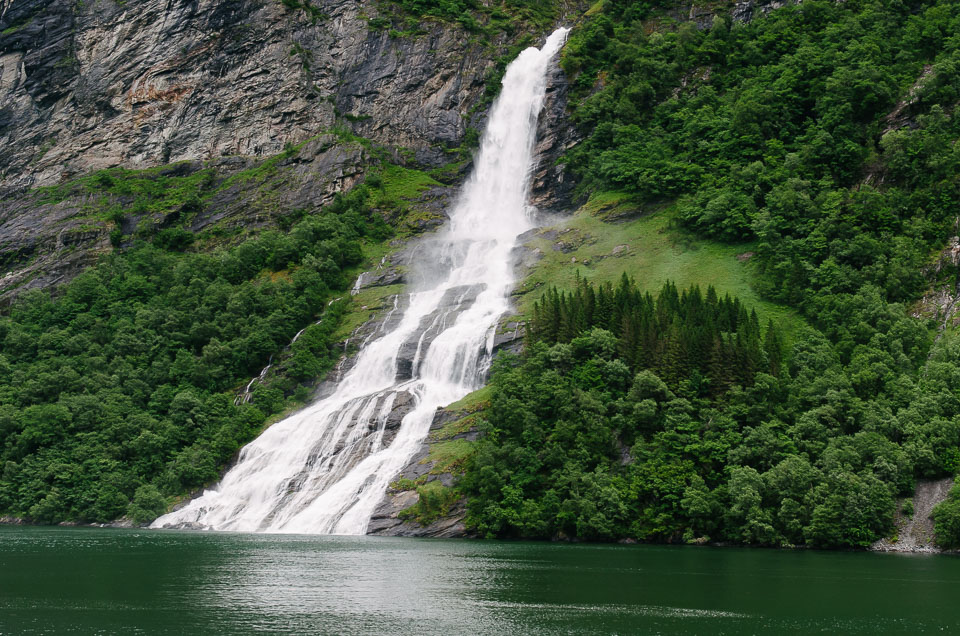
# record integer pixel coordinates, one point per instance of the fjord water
(82, 580)
(324, 469)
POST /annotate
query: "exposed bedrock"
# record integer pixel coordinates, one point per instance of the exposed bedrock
(223, 84)
(91, 85)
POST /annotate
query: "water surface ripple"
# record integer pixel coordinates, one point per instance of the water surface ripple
(75, 580)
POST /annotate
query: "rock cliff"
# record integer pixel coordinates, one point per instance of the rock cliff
(422, 501)
(221, 85)
(91, 85)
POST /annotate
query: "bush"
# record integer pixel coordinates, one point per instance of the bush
(147, 504)
(946, 519)
(173, 239)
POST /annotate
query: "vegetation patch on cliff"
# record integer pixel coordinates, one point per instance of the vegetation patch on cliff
(611, 234)
(449, 447)
(434, 501)
(486, 19)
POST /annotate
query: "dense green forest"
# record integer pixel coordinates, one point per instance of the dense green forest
(824, 135)
(609, 428)
(120, 392)
(788, 130)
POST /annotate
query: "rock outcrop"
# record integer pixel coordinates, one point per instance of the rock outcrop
(222, 85)
(551, 187)
(429, 468)
(90, 85)
(941, 302)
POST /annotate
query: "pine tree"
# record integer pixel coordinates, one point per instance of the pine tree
(682, 335)
(773, 348)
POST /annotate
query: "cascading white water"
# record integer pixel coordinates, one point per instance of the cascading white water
(324, 469)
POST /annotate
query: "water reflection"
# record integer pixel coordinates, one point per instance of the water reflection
(353, 585)
(84, 581)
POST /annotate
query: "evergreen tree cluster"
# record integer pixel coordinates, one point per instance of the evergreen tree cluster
(703, 342)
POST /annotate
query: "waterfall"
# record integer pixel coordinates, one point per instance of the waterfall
(324, 469)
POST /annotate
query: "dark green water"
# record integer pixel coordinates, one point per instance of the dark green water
(62, 580)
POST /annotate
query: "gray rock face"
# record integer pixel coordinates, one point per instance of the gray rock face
(915, 532)
(746, 10)
(386, 520)
(222, 84)
(509, 336)
(54, 247)
(91, 85)
(380, 278)
(551, 187)
(402, 406)
(702, 15)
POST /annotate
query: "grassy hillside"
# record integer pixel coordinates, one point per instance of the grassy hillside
(611, 234)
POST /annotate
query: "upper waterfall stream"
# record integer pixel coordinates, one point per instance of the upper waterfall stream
(324, 469)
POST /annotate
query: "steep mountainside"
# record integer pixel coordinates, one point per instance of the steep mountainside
(93, 85)
(153, 213)
(745, 332)
(222, 84)
(806, 161)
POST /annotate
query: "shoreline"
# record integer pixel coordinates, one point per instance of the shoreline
(880, 547)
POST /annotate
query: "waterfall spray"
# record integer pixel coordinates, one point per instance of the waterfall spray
(324, 469)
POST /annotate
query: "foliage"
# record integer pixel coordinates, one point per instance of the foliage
(486, 19)
(946, 518)
(148, 503)
(825, 135)
(175, 192)
(120, 392)
(433, 502)
(394, 184)
(705, 342)
(787, 130)
(598, 434)
(313, 12)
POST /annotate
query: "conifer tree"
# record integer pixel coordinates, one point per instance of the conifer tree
(683, 335)
(772, 347)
